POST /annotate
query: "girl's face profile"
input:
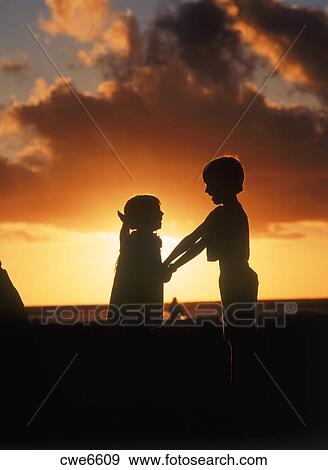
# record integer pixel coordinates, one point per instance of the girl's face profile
(143, 213)
(157, 218)
(153, 218)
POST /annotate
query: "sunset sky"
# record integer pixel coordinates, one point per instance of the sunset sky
(165, 81)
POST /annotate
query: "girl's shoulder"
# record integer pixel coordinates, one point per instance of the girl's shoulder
(156, 240)
(142, 240)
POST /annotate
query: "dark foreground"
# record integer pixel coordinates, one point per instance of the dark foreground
(168, 388)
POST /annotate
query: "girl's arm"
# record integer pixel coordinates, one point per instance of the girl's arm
(125, 231)
(194, 251)
(187, 243)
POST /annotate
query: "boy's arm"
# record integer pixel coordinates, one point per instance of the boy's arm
(187, 243)
(194, 251)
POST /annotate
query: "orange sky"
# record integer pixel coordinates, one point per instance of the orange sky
(165, 95)
(64, 267)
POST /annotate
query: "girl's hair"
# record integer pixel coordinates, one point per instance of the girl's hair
(227, 169)
(139, 210)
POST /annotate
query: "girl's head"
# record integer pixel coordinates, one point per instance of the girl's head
(143, 213)
(224, 178)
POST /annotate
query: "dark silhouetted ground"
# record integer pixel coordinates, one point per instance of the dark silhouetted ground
(167, 388)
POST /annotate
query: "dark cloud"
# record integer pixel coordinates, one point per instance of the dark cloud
(20, 191)
(121, 66)
(281, 23)
(14, 179)
(168, 127)
(201, 34)
(12, 66)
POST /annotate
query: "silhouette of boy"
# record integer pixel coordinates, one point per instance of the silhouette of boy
(225, 235)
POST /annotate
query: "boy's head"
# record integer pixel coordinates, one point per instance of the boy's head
(143, 212)
(224, 178)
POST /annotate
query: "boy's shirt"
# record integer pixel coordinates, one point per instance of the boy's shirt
(227, 236)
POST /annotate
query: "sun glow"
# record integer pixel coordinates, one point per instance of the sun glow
(50, 266)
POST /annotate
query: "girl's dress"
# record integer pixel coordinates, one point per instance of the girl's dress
(139, 276)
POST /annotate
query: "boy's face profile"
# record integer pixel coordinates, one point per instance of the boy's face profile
(223, 178)
(215, 188)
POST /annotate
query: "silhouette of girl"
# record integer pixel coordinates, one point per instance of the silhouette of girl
(140, 274)
(225, 235)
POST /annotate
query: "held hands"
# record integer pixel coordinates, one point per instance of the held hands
(168, 271)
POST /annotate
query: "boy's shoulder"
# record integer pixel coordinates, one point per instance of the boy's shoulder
(223, 214)
(215, 214)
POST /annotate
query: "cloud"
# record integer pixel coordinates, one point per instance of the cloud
(114, 36)
(8, 124)
(26, 232)
(15, 182)
(83, 21)
(300, 229)
(269, 26)
(281, 148)
(37, 155)
(12, 66)
(202, 36)
(37, 232)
